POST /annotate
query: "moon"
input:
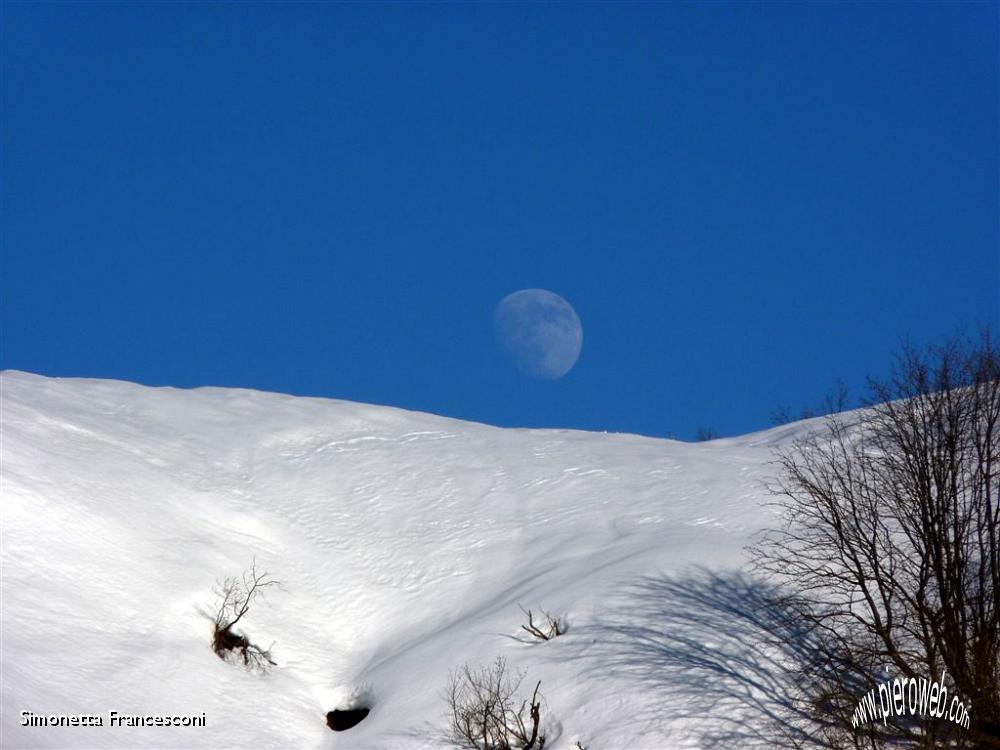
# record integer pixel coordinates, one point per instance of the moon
(540, 331)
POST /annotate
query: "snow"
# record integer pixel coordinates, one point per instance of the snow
(405, 543)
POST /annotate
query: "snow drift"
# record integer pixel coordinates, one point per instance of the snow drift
(405, 543)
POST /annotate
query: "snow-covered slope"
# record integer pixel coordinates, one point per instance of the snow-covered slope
(405, 543)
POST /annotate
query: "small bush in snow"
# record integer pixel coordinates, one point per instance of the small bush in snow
(543, 631)
(488, 714)
(234, 596)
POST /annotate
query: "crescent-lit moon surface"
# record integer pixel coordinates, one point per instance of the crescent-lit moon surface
(540, 331)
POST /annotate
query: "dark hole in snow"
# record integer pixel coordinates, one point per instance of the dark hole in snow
(340, 719)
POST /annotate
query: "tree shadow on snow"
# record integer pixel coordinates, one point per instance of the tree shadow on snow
(724, 658)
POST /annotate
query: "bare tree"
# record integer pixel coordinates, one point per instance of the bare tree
(890, 538)
(704, 434)
(551, 628)
(837, 399)
(234, 597)
(488, 714)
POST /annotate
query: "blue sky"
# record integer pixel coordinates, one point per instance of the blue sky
(743, 202)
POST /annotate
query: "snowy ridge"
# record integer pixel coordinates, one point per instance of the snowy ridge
(405, 542)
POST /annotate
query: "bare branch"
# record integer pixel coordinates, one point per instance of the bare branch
(552, 627)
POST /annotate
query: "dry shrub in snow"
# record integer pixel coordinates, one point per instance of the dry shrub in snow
(234, 597)
(543, 631)
(487, 713)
